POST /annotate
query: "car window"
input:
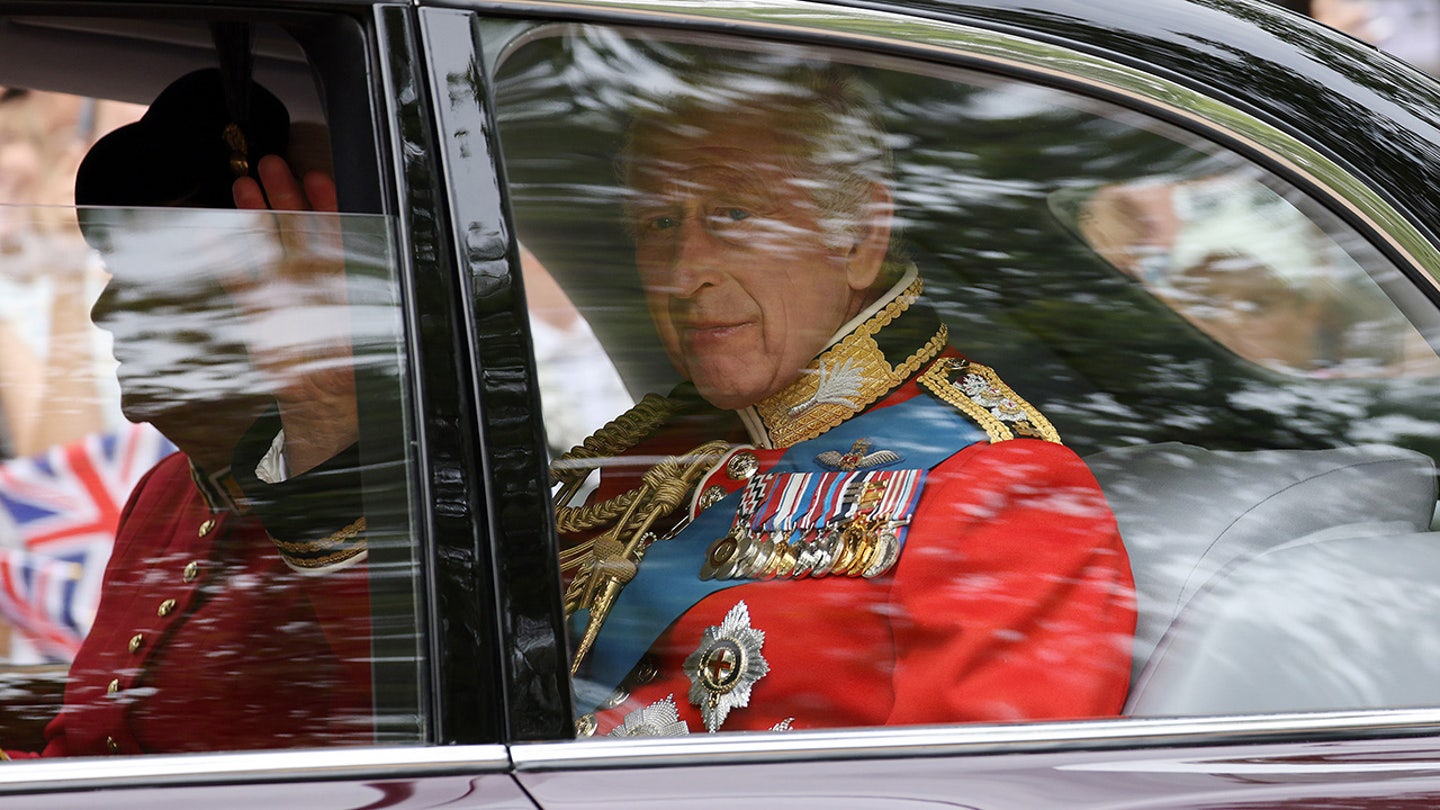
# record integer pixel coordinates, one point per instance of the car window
(940, 396)
(207, 540)
(1253, 271)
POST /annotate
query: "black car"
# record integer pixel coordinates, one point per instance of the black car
(1198, 236)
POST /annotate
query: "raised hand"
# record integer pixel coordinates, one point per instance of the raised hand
(295, 308)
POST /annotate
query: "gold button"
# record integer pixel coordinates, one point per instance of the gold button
(113, 687)
(646, 671)
(207, 527)
(166, 608)
(742, 465)
(136, 641)
(112, 745)
(585, 725)
(192, 570)
(711, 496)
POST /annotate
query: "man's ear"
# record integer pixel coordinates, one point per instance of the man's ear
(867, 251)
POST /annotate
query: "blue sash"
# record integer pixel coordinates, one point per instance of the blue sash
(923, 431)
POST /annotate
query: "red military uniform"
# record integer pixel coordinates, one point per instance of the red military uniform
(205, 639)
(1010, 600)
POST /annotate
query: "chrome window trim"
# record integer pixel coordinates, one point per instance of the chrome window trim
(937, 39)
(93, 773)
(965, 740)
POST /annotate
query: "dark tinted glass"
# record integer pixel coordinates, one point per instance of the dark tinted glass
(1243, 375)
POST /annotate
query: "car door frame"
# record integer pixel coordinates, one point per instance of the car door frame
(978, 36)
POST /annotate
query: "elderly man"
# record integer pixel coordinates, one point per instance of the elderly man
(879, 531)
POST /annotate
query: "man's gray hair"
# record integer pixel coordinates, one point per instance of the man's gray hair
(826, 109)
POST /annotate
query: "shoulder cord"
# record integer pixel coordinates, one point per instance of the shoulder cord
(617, 436)
(602, 565)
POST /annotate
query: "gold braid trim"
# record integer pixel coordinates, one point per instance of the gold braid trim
(979, 393)
(618, 435)
(327, 560)
(577, 519)
(570, 470)
(803, 410)
(932, 347)
(301, 555)
(604, 565)
(327, 542)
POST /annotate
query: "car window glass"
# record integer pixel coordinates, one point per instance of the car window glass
(1252, 271)
(185, 566)
(909, 345)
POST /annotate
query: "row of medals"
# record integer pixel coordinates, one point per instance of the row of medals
(863, 546)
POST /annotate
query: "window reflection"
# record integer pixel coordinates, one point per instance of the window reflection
(579, 388)
(230, 575)
(826, 445)
(1252, 272)
(193, 615)
(1241, 372)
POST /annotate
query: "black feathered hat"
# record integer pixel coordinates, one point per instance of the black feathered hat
(186, 150)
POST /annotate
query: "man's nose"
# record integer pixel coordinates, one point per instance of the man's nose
(105, 305)
(697, 260)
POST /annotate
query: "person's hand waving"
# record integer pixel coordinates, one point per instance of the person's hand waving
(296, 313)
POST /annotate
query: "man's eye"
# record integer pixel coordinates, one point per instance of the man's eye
(663, 223)
(734, 214)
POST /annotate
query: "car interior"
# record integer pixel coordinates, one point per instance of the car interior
(304, 60)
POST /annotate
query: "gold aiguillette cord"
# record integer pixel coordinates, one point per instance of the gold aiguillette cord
(609, 561)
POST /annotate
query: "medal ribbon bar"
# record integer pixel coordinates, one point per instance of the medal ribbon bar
(795, 525)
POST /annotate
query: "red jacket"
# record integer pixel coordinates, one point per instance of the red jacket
(205, 640)
(1012, 600)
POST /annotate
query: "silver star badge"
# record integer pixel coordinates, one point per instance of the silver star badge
(726, 666)
(659, 719)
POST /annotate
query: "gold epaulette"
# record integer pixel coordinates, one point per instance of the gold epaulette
(979, 393)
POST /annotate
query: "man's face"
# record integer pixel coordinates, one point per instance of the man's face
(175, 336)
(742, 282)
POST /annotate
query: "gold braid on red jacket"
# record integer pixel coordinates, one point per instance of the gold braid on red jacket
(602, 565)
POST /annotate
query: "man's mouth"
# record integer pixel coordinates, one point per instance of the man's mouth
(710, 332)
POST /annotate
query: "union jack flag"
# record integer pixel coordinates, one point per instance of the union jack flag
(58, 514)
